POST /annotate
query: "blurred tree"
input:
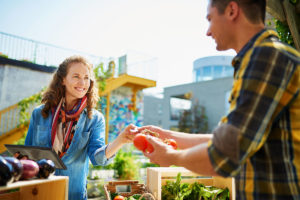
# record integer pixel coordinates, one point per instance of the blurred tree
(193, 120)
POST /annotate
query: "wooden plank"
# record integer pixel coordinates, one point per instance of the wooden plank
(19, 184)
(274, 7)
(11, 136)
(291, 16)
(55, 187)
(10, 196)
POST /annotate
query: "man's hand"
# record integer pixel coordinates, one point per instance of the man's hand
(163, 154)
(163, 134)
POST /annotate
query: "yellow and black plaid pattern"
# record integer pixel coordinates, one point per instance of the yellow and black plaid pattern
(265, 109)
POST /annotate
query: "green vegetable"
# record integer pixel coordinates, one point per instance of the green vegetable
(195, 191)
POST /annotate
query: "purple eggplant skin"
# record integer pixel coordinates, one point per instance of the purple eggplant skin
(47, 168)
(6, 172)
(30, 169)
(17, 167)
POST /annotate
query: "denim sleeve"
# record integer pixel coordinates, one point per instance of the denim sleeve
(30, 132)
(96, 146)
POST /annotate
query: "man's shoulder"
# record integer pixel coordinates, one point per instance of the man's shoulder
(273, 44)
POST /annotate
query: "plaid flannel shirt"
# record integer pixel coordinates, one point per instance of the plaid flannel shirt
(258, 142)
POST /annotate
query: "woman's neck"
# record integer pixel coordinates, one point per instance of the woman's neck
(70, 103)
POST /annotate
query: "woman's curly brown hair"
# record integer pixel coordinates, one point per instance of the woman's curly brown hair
(56, 89)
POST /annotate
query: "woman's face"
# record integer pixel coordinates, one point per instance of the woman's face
(77, 81)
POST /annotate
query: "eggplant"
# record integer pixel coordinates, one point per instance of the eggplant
(30, 169)
(17, 167)
(6, 172)
(47, 168)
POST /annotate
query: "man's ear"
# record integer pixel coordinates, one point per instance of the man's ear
(232, 10)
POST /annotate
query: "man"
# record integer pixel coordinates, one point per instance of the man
(258, 142)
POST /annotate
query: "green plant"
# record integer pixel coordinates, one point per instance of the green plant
(284, 32)
(125, 166)
(24, 115)
(294, 1)
(101, 75)
(3, 55)
(181, 191)
(24, 104)
(145, 165)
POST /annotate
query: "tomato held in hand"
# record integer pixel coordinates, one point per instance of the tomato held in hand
(171, 142)
(140, 142)
(119, 197)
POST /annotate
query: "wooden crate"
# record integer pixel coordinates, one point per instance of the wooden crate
(55, 187)
(134, 187)
(158, 176)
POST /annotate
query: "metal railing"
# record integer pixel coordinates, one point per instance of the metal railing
(20, 48)
(10, 117)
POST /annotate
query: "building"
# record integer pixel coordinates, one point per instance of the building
(212, 67)
(212, 95)
(153, 110)
(210, 88)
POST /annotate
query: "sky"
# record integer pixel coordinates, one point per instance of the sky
(171, 34)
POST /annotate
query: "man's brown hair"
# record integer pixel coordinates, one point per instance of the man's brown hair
(255, 10)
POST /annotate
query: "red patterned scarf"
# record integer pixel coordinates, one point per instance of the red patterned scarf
(63, 125)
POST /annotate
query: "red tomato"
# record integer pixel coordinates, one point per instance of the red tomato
(140, 142)
(149, 148)
(119, 197)
(171, 142)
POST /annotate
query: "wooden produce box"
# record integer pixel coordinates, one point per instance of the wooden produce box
(54, 187)
(158, 176)
(126, 188)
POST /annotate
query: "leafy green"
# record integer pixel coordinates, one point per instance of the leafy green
(185, 191)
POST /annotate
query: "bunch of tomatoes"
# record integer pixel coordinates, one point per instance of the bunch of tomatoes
(141, 143)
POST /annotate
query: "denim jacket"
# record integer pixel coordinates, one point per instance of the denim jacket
(88, 142)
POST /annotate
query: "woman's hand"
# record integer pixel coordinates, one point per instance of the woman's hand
(127, 135)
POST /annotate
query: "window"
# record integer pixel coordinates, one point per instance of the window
(207, 73)
(218, 71)
(177, 106)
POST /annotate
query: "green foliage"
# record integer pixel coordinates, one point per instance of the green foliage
(185, 191)
(101, 75)
(22, 140)
(24, 113)
(3, 55)
(146, 165)
(294, 1)
(24, 105)
(175, 190)
(125, 165)
(193, 120)
(284, 32)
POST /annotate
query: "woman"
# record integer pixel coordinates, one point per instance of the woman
(68, 122)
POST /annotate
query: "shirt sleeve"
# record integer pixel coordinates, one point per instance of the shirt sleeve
(96, 146)
(30, 132)
(267, 85)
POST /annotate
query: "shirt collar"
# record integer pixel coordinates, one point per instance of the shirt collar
(254, 41)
